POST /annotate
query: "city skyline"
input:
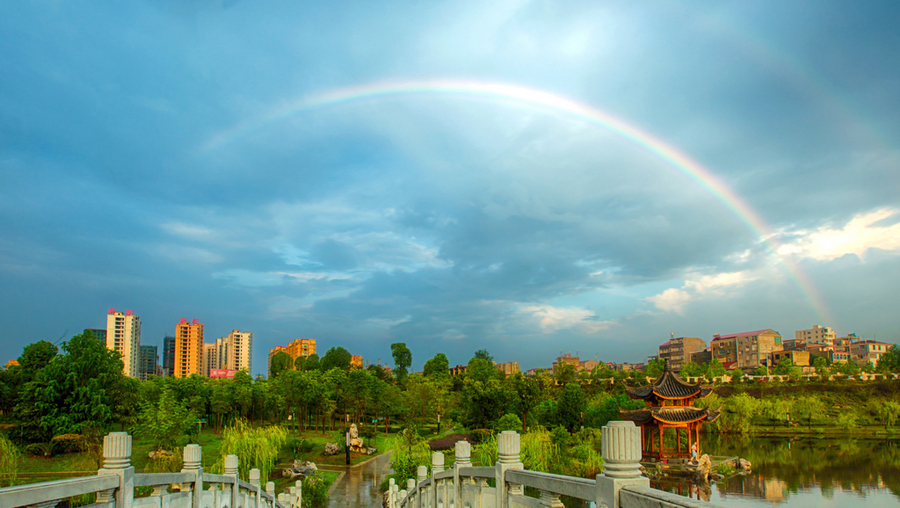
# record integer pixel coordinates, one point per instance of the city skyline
(520, 177)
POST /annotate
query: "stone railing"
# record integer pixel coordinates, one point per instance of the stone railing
(462, 486)
(114, 485)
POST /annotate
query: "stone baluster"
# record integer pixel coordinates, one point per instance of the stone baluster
(621, 450)
(437, 466)
(117, 461)
(299, 485)
(283, 500)
(231, 469)
(410, 486)
(550, 500)
(192, 457)
(253, 478)
(395, 495)
(508, 448)
(270, 490)
(390, 493)
(421, 476)
(162, 492)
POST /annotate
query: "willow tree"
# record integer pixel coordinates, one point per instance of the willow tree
(256, 447)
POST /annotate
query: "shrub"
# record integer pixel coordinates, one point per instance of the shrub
(68, 443)
(509, 421)
(315, 493)
(560, 436)
(39, 449)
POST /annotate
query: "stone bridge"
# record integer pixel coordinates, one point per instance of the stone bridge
(461, 486)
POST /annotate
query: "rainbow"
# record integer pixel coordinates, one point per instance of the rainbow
(557, 105)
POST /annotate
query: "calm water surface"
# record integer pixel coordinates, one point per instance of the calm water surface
(805, 472)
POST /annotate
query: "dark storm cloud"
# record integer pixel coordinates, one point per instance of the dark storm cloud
(448, 222)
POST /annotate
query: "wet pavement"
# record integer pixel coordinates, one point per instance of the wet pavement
(359, 485)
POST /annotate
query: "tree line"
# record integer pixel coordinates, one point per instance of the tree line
(79, 388)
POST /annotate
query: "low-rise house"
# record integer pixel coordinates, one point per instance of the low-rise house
(748, 349)
(865, 351)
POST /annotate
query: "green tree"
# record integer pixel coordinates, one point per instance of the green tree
(166, 422)
(888, 413)
(74, 391)
(256, 447)
(691, 369)
(35, 357)
(821, 366)
(526, 395)
(438, 366)
(482, 370)
(808, 407)
(402, 360)
(509, 421)
(564, 373)
(280, 362)
(786, 367)
(776, 409)
(570, 407)
(737, 412)
(336, 358)
(890, 361)
(484, 355)
(714, 369)
(312, 363)
(655, 368)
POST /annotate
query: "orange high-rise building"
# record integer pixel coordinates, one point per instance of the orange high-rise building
(188, 348)
(297, 348)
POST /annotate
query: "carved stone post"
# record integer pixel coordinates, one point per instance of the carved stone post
(463, 452)
(395, 495)
(621, 450)
(270, 490)
(253, 479)
(299, 485)
(192, 457)
(117, 461)
(410, 487)
(437, 466)
(292, 494)
(391, 485)
(283, 500)
(508, 447)
(231, 469)
(421, 476)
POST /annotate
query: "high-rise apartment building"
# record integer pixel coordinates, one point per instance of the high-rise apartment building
(235, 352)
(188, 348)
(297, 348)
(149, 359)
(123, 334)
(677, 351)
(168, 365)
(210, 359)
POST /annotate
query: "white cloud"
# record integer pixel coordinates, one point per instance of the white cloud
(697, 287)
(859, 235)
(552, 319)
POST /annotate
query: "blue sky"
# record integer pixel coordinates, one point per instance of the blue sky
(181, 159)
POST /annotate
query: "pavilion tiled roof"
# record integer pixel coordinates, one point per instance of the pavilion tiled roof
(668, 386)
(671, 414)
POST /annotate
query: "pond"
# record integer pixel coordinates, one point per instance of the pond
(805, 471)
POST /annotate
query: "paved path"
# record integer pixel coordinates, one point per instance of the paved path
(358, 487)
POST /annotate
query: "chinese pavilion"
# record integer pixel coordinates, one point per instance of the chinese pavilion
(669, 402)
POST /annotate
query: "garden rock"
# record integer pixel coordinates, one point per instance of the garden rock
(332, 449)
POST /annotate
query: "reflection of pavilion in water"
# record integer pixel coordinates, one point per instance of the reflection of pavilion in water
(754, 485)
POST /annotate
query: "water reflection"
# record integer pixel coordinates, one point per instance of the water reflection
(805, 471)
